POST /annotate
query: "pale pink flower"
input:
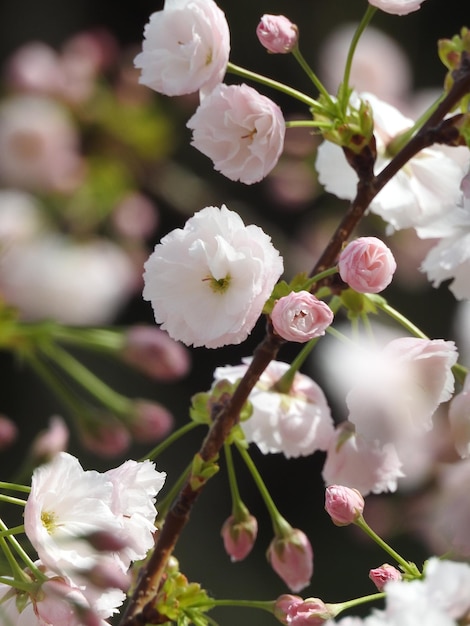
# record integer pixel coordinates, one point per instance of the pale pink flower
(367, 265)
(459, 420)
(293, 611)
(296, 423)
(427, 188)
(380, 576)
(300, 316)
(277, 34)
(39, 147)
(239, 536)
(35, 68)
(53, 276)
(397, 7)
(354, 462)
(343, 504)
(402, 388)
(135, 216)
(152, 351)
(291, 557)
(186, 47)
(215, 269)
(240, 130)
(51, 441)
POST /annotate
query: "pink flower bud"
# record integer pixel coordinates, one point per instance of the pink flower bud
(106, 437)
(8, 432)
(153, 352)
(239, 537)
(291, 557)
(51, 441)
(105, 541)
(293, 611)
(367, 265)
(380, 576)
(277, 34)
(152, 422)
(343, 504)
(108, 575)
(300, 316)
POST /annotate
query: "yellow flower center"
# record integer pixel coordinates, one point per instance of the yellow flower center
(218, 285)
(48, 519)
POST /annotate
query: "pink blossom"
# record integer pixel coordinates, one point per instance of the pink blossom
(105, 435)
(291, 557)
(300, 316)
(151, 422)
(277, 34)
(51, 441)
(296, 423)
(397, 7)
(404, 385)
(367, 265)
(380, 576)
(186, 47)
(293, 611)
(355, 462)
(151, 350)
(459, 420)
(215, 269)
(240, 130)
(239, 536)
(8, 432)
(343, 504)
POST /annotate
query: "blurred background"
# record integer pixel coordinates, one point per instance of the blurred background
(101, 168)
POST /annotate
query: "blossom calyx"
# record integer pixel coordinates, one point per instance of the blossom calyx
(239, 536)
(343, 504)
(291, 557)
(300, 316)
(367, 265)
(277, 34)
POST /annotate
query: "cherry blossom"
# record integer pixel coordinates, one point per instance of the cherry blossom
(217, 269)
(296, 423)
(186, 47)
(240, 130)
(277, 34)
(367, 265)
(397, 7)
(300, 316)
(427, 188)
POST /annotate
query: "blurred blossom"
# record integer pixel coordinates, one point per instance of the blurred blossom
(151, 422)
(106, 436)
(397, 7)
(34, 68)
(20, 217)
(292, 184)
(354, 462)
(8, 432)
(71, 282)
(135, 216)
(152, 351)
(409, 251)
(379, 65)
(50, 442)
(459, 420)
(240, 130)
(38, 145)
(462, 330)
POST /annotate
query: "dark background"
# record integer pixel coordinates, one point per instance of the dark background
(342, 559)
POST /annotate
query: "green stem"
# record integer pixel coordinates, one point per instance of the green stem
(16, 584)
(381, 304)
(311, 74)
(89, 381)
(12, 500)
(259, 78)
(17, 530)
(264, 605)
(409, 568)
(100, 339)
(5, 543)
(15, 487)
(168, 441)
(239, 510)
(280, 525)
(349, 604)
(367, 17)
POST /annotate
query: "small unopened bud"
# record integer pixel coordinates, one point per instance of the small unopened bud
(239, 536)
(105, 541)
(152, 422)
(107, 575)
(8, 432)
(51, 441)
(380, 576)
(300, 316)
(291, 557)
(293, 611)
(106, 436)
(343, 504)
(367, 265)
(277, 34)
(153, 352)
